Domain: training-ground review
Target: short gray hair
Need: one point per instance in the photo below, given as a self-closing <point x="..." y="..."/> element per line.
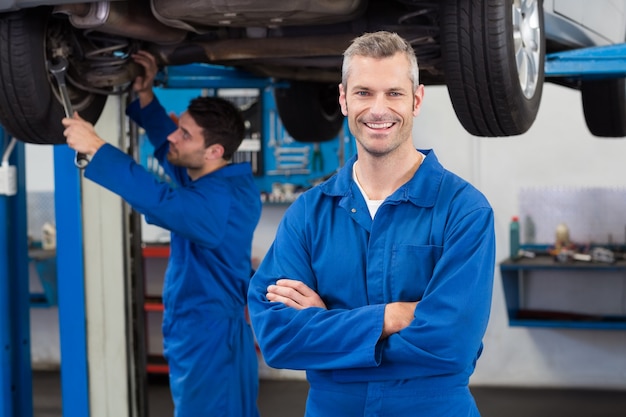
<point x="380" y="44"/>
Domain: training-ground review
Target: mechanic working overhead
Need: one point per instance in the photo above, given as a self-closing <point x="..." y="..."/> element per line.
<point x="211" y="210"/>
<point x="379" y="280"/>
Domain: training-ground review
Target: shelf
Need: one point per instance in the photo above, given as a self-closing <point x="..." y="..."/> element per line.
<point x="549" y="318"/>
<point x="156" y="364"/>
<point x="155" y="258"/>
<point x="516" y="272"/>
<point x="153" y="304"/>
<point x="547" y="263"/>
<point x="156" y="251"/>
<point x="569" y="324"/>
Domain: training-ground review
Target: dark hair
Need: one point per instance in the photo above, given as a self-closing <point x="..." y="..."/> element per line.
<point x="221" y="122"/>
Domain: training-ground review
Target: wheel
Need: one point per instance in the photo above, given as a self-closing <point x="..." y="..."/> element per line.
<point x="309" y="111"/>
<point x="29" y="108"/>
<point x="494" y="53"/>
<point x="604" y="105"/>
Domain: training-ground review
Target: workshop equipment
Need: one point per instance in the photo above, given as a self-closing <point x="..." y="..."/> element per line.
<point x="291" y="160"/>
<point x="317" y="164"/>
<point x="58" y="69"/>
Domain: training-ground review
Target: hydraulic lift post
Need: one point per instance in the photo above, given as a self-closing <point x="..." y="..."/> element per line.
<point x="70" y="284"/>
<point x="15" y="360"/>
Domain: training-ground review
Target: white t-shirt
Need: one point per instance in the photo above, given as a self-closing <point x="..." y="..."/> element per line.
<point x="372" y="205"/>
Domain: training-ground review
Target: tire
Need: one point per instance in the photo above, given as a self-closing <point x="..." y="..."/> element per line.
<point x="310" y="111"/>
<point x="29" y="109"/>
<point x="604" y="106"/>
<point x="494" y="72"/>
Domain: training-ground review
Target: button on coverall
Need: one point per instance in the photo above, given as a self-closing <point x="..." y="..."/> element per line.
<point x="431" y="241"/>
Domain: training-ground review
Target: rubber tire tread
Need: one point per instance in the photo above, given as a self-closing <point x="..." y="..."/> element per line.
<point x="29" y="111"/>
<point x="304" y="111"/>
<point x="481" y="71"/>
<point x="604" y="106"/>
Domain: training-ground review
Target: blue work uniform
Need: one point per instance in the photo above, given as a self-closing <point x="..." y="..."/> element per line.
<point x="207" y="341"/>
<point x="431" y="241"/>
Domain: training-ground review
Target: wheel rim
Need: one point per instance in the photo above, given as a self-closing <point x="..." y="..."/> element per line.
<point x="527" y="42"/>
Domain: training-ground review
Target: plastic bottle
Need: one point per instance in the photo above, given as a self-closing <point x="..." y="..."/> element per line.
<point x="514" y="237"/>
<point x="562" y="236"/>
<point x="48" y="236"/>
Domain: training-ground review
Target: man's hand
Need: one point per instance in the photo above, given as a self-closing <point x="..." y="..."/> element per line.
<point x="143" y="83"/>
<point x="81" y="135"/>
<point x="293" y="293"/>
<point x="398" y="316"/>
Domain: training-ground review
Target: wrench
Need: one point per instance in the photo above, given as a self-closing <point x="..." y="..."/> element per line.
<point x="58" y="69"/>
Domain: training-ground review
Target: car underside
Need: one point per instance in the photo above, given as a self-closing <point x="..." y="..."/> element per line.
<point x="280" y="39"/>
<point x="489" y="54"/>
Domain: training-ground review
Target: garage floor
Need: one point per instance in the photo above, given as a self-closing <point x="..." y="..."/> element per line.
<point x="285" y="398"/>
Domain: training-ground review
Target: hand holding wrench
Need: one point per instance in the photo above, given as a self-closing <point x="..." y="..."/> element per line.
<point x="58" y="69"/>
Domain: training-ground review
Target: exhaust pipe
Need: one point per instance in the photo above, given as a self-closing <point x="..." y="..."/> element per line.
<point x="130" y="19"/>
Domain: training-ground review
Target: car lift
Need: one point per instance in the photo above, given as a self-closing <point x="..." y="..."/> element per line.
<point x="595" y="62"/>
<point x="15" y="360"/>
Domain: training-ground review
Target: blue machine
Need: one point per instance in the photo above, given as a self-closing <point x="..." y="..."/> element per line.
<point x="281" y="165"/>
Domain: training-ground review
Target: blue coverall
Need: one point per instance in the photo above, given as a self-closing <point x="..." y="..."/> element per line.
<point x="208" y="344"/>
<point x="432" y="240"/>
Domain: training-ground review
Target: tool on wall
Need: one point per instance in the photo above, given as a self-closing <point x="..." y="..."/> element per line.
<point x="291" y="160"/>
<point x="317" y="164"/>
<point x="58" y="69"/>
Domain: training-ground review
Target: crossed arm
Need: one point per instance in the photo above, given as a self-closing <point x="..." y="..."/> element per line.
<point x="296" y="294"/>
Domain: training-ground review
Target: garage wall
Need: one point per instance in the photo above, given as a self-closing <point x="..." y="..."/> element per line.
<point x="558" y="151"/>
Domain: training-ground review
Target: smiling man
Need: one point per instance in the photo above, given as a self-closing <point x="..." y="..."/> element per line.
<point x="379" y="280"/>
